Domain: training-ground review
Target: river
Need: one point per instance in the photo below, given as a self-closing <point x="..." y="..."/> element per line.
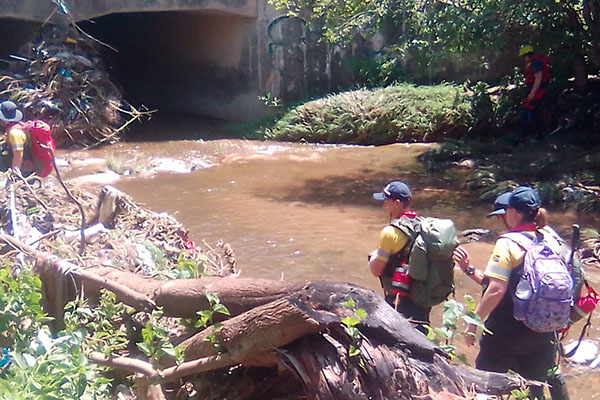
<point x="300" y="211"/>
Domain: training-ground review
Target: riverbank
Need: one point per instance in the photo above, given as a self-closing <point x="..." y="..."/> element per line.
<point x="398" y="113"/>
<point x="479" y="130"/>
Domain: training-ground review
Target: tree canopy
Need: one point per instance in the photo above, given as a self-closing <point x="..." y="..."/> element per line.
<point x="480" y="33"/>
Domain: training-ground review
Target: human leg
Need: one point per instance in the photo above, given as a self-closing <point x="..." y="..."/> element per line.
<point x="542" y="365"/>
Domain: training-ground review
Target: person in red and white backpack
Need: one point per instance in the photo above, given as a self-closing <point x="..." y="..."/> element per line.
<point x="16" y="139"/>
<point x="28" y="146"/>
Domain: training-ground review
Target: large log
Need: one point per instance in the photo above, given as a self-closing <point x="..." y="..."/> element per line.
<point x="295" y="325"/>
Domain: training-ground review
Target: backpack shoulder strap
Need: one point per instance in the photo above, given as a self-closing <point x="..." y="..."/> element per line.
<point x="520" y="238"/>
<point x="408" y="226"/>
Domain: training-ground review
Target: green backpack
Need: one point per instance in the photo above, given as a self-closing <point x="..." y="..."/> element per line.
<point x="430" y="262"/>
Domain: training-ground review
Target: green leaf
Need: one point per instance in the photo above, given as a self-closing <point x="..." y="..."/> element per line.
<point x="452" y="311"/>
<point x="349" y="303"/>
<point x="221" y="309"/>
<point x="361" y="313"/>
<point x="470" y="302"/>
<point x="145" y="348"/>
<point x="353" y="351"/>
<point x="350" y="321"/>
<point x="212" y="298"/>
<point x="168" y="349"/>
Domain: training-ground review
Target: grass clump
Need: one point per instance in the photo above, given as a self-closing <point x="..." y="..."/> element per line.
<point x="399" y="113"/>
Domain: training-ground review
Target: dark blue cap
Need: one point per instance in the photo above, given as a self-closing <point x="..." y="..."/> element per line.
<point x="396" y="190"/>
<point x="500" y="204"/>
<point x="525" y="200"/>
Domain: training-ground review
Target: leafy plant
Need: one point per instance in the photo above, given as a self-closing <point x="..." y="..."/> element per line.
<point x="207" y="317"/>
<point x="520" y="394"/>
<point x="102" y="325"/>
<point x="155" y="337"/>
<point x="350" y="325"/>
<point x="269" y="100"/>
<point x="53" y="368"/>
<point x="453" y="312"/>
<point x="21" y="313"/>
<point x="188" y="268"/>
<point x="43" y="367"/>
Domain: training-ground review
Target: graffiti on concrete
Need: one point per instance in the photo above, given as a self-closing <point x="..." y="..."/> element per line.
<point x="287" y="52"/>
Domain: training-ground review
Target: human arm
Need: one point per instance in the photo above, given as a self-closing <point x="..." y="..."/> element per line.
<point x="17" y="138"/>
<point x="17" y="159"/>
<point x="490" y="300"/>
<point x="461" y="258"/>
<point x="376" y="265"/>
<point x="391" y="240"/>
<point x="536" y="85"/>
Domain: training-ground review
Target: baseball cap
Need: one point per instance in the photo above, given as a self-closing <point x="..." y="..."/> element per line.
<point x="525" y="199"/>
<point x="396" y="190"/>
<point x="500" y="204"/>
<point x="9" y="112"/>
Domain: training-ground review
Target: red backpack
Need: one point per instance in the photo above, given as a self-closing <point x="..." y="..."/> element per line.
<point x="42" y="146"/>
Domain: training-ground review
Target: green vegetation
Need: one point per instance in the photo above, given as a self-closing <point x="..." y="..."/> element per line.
<point x="453" y="312"/>
<point x="425" y="41"/>
<point x="39" y="361"/>
<point x="399" y="113"/>
<point x="350" y="322"/>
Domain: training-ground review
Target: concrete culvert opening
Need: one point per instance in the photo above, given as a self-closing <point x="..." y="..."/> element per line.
<point x="181" y="63"/>
<point x="199" y="69"/>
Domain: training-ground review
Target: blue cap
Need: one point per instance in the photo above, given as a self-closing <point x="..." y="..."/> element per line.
<point x="525" y="200"/>
<point x="500" y="204"/>
<point x="396" y="190"/>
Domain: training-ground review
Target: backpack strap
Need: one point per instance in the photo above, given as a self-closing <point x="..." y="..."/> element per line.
<point x="520" y="238"/>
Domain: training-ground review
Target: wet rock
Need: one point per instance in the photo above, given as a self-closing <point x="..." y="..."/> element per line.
<point x="476" y="235"/>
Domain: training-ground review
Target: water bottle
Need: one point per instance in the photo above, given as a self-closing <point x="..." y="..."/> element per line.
<point x="524" y="290"/>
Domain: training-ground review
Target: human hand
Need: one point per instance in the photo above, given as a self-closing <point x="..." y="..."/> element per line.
<point x="461" y="258"/>
<point x="470" y="335"/>
<point x="530" y="97"/>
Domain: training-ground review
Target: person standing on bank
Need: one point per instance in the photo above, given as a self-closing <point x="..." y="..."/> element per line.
<point x="15" y="137"/>
<point x="512" y="345"/>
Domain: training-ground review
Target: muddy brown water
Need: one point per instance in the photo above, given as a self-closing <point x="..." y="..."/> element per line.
<point x="297" y="211"/>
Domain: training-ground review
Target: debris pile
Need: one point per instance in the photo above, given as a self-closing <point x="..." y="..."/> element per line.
<point x="60" y="77"/>
<point x="118" y="232"/>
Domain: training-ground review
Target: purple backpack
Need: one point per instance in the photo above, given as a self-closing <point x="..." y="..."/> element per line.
<point x="544" y="294"/>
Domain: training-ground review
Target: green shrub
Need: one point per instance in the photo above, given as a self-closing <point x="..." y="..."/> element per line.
<point x="399" y="113"/>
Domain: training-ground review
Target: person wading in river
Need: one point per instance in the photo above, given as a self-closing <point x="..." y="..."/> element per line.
<point x="414" y="257"/>
<point x="513" y="346"/>
<point x="393" y="248"/>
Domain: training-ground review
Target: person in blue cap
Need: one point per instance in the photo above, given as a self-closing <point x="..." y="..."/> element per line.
<point x="393" y="250"/>
<point x="13" y="154"/>
<point x="512" y="345"/>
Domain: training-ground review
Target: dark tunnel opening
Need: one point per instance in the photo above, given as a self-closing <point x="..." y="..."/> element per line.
<point x="189" y="66"/>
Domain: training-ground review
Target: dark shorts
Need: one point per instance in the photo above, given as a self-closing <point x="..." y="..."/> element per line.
<point x="532" y="356"/>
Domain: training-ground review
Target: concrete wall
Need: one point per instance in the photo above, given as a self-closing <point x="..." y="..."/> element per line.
<point x="39" y="10"/>
<point x="206" y="57"/>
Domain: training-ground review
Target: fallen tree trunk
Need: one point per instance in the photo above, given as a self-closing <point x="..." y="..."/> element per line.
<point x="299" y="326"/>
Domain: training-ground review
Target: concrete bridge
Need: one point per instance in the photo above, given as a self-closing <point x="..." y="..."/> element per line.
<point x="204" y="57"/>
<point x="39" y="10"/>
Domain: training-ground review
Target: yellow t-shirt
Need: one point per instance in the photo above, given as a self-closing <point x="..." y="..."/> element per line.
<point x="17" y="138"/>
<point x="508" y="255"/>
<point x="391" y="240"/>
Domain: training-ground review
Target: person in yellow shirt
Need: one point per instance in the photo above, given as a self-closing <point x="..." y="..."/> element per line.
<point x="512" y="345"/>
<point x="15" y="137"/>
<point x="393" y="251"/>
